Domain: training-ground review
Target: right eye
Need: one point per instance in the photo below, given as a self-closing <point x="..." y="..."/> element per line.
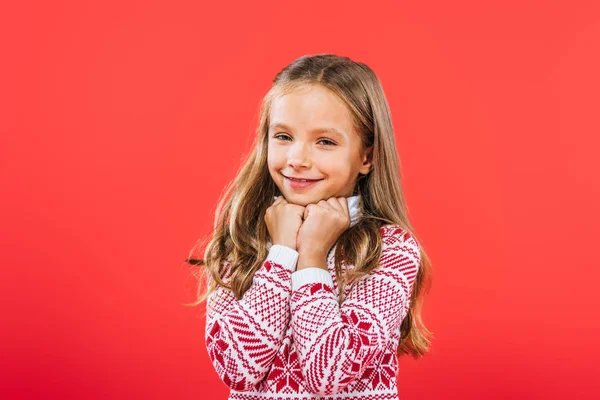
<point x="280" y="135"/>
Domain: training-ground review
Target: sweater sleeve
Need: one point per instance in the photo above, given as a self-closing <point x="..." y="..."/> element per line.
<point x="243" y="336"/>
<point x="337" y="343"/>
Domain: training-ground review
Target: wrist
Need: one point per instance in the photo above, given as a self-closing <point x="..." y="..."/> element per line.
<point x="312" y="259"/>
<point x="291" y="246"/>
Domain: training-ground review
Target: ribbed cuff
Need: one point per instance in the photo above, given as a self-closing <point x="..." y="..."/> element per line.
<point x="283" y="255"/>
<point x="310" y="275"/>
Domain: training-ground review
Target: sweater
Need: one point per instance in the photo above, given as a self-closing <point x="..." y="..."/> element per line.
<point x="289" y="338"/>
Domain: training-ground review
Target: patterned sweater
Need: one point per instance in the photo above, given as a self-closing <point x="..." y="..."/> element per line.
<point x="288" y="337"/>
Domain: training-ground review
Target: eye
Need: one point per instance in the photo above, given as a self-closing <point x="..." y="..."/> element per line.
<point x="283" y="136"/>
<point x="277" y="136"/>
<point x="330" y="142"/>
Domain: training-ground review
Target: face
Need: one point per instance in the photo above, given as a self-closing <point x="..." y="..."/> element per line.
<point x="311" y="136"/>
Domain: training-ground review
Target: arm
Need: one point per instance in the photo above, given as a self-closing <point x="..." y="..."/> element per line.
<point x="243" y="336"/>
<point x="337" y="343"/>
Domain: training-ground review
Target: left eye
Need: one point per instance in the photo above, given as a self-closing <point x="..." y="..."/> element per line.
<point x="329" y="142"/>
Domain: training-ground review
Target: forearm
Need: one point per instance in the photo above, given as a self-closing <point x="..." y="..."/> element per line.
<point x="243" y="336"/>
<point x="342" y="343"/>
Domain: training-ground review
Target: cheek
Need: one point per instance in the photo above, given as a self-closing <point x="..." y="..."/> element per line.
<point x="335" y="165"/>
<point x="275" y="162"/>
<point x="273" y="159"/>
<point x="270" y="154"/>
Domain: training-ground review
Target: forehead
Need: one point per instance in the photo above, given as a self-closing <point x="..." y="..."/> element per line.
<point x="311" y="107"/>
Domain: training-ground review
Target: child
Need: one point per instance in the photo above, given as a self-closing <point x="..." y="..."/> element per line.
<point x="315" y="278"/>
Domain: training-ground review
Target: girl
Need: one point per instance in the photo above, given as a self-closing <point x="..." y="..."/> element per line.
<point x="315" y="277"/>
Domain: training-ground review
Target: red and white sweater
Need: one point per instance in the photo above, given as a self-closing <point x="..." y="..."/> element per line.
<point x="288" y="338"/>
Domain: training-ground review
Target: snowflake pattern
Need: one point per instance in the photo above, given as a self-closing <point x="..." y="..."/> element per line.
<point x="285" y="375"/>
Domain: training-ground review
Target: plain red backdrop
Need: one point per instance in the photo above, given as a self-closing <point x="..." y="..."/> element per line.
<point x="122" y="121"/>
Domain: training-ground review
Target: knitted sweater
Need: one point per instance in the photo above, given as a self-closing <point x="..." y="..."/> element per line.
<point x="288" y="337"/>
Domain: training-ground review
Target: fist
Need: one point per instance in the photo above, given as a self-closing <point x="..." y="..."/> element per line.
<point x="283" y="221"/>
<point x="323" y="224"/>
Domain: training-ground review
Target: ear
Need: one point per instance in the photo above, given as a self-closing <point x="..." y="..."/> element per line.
<point x="366" y="161"/>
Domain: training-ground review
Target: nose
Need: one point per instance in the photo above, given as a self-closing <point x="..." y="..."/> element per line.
<point x="299" y="156"/>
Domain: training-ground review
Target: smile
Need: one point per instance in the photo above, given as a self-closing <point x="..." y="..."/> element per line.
<point x="300" y="183"/>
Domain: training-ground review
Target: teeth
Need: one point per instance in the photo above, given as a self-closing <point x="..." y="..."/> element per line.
<point x="302" y="180"/>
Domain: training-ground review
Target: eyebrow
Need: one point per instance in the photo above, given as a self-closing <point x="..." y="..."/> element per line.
<point x="316" y="130"/>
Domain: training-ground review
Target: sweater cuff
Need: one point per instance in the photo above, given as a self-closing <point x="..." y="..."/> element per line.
<point x="310" y="275"/>
<point x="284" y="256"/>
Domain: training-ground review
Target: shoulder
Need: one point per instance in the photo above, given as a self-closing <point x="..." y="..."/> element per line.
<point x="397" y="239"/>
<point x="395" y="233"/>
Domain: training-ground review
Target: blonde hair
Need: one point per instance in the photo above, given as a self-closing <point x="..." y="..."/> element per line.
<point x="239" y="238"/>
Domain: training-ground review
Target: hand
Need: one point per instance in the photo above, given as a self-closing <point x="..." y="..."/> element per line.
<point x="283" y="221"/>
<point x="323" y="224"/>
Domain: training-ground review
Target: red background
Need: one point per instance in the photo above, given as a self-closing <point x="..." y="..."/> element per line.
<point x="122" y="121"/>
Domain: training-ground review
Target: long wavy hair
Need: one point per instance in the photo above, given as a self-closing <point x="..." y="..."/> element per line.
<point x="240" y="235"/>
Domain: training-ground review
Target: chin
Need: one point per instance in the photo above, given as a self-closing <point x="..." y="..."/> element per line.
<point x="303" y="199"/>
<point x="296" y="199"/>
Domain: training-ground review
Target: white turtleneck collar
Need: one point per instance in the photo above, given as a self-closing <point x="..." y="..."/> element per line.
<point x="354" y="209"/>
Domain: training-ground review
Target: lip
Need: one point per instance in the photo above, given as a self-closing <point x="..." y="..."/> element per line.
<point x="296" y="177"/>
<point x="300" y="185"/>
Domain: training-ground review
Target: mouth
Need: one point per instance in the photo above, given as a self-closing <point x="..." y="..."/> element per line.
<point x="301" y="179"/>
<point x="295" y="183"/>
